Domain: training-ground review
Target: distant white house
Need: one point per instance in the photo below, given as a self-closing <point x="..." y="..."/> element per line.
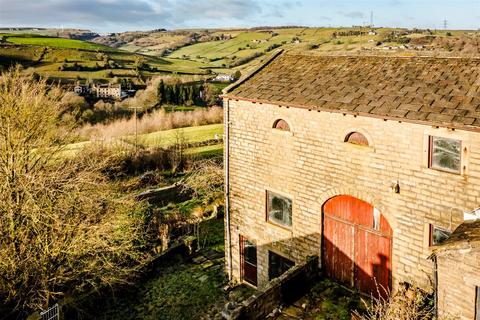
<point x="112" y="91"/>
<point x="223" y="78"/>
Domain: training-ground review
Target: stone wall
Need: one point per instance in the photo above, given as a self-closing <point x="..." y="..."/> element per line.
<point x="312" y="163"/>
<point x="458" y="277"/>
<point x="285" y="289"/>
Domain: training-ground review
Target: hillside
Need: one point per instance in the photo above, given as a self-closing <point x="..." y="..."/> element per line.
<point x="139" y="55"/>
<point x="69" y="59"/>
<point x="224" y="51"/>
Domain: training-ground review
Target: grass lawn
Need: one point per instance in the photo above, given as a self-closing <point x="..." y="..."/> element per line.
<point x="215" y="150"/>
<point x="190" y="134"/>
<point x="179" y="289"/>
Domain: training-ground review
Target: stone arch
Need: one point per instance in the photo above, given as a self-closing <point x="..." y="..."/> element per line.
<point x="366" y="196"/>
<point x="364" y="132"/>
<point x="281" y="124"/>
<point x="281" y="116"/>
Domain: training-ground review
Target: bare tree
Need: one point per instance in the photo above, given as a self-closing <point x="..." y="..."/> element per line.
<point x="62" y="229"/>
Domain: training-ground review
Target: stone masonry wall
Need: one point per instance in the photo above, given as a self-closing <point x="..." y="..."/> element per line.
<point x="458" y="277"/>
<point x="312" y="163"/>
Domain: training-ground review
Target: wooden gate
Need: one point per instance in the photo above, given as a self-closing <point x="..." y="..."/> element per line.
<point x="357" y="242"/>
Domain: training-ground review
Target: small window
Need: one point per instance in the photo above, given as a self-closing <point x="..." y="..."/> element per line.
<point x="356" y="138"/>
<point x="445" y="154"/>
<point x="281" y="124"/>
<point x="438" y="235"/>
<point x="279" y="209"/>
<point x="376" y="219"/>
<point x="477" y="303"/>
<point x="277" y="265"/>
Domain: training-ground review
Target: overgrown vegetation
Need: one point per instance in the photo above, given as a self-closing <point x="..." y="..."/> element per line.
<point x="63" y="229"/>
<point x="408" y="303"/>
<point x="155" y="121"/>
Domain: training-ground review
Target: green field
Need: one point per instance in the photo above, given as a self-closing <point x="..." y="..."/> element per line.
<point x="169" y="137"/>
<point x="241" y="50"/>
<point x="53" y="42"/>
<point x="47" y="55"/>
<point x="164" y="139"/>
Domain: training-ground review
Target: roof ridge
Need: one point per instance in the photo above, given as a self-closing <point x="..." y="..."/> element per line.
<point x="234" y="85"/>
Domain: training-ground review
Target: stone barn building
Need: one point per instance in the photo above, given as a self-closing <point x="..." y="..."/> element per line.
<point x="367" y="162"/>
<point x="458" y="261"/>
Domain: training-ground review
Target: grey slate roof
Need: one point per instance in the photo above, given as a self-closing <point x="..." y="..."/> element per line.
<point x="441" y="91"/>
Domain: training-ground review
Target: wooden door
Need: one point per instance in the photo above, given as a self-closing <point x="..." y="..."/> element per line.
<point x="248" y="261"/>
<point x="357" y="245"/>
<point x="337" y="251"/>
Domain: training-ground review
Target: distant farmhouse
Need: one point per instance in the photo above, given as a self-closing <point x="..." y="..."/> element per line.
<point x="368" y="162"/>
<point x="109" y="91"/>
<point x="112" y="91"/>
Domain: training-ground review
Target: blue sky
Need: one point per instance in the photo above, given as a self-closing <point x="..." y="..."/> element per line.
<point x="122" y="15"/>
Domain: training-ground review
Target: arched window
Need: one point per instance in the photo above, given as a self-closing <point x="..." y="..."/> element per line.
<point x="281" y="124"/>
<point x="356" y="138"/>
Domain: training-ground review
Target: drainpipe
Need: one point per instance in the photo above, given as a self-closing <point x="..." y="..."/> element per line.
<point x="227" y="189"/>
<point x="435" y="284"/>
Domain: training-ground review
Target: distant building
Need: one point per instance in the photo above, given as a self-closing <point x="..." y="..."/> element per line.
<point x="112" y="91"/>
<point x="224" y="78"/>
<point x="81" y="89"/>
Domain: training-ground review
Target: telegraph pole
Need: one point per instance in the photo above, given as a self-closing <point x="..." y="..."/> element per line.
<point x="136" y="127"/>
<point x="445" y="24"/>
<point x="371" y="19"/>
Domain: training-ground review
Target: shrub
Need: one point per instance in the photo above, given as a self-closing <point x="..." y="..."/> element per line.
<point x="409" y="303"/>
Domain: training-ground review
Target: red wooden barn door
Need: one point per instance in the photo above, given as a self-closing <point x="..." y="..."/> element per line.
<point x="356" y="244"/>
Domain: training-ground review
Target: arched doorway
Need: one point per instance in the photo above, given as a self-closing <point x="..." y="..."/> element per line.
<point x="357" y="243"/>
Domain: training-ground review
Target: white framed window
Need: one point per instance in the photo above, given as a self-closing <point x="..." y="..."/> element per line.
<point x="445" y="154"/>
<point x="279" y="209"/>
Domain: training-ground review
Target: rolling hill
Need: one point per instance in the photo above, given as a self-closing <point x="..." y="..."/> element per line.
<point x="203" y="52"/>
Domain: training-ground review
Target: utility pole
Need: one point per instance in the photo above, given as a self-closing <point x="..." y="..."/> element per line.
<point x="371" y="19"/>
<point x="136" y="127"/>
<point x="445" y="24"/>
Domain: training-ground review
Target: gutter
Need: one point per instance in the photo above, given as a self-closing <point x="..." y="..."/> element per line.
<point x="227" y="189"/>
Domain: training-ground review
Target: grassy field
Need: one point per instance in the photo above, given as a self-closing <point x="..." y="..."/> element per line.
<point x="154" y="43"/>
<point x="54" y="42"/>
<point x="189" y="134"/>
<point x="47" y="55"/>
<point x="163" y="139"/>
<point x="240" y="50"/>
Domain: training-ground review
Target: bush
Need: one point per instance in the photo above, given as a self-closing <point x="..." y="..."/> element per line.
<point x="409" y="303"/>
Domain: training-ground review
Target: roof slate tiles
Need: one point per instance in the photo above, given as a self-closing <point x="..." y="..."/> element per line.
<point x="442" y="91"/>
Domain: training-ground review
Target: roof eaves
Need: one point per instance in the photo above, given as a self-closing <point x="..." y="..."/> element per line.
<point x="356" y="113"/>
<point x="234" y="85"/>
